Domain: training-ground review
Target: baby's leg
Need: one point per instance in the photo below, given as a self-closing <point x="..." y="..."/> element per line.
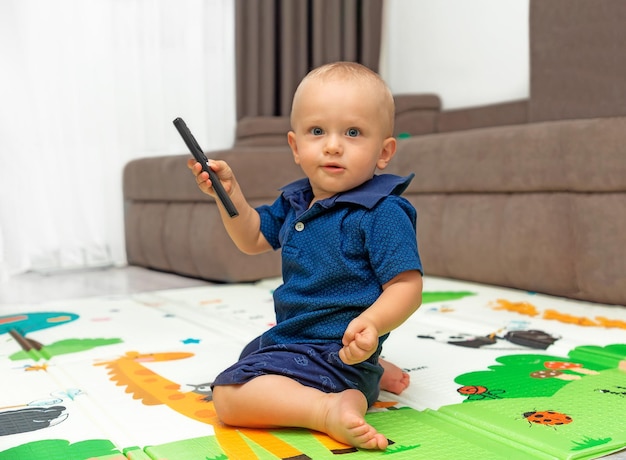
<point x="394" y="379"/>
<point x="271" y="401"/>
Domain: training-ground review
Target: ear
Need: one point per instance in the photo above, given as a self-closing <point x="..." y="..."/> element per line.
<point x="387" y="152"/>
<point x="291" y="139"/>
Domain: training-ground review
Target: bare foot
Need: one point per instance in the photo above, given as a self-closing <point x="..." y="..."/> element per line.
<point x="394" y="379"/>
<point x="345" y="421"/>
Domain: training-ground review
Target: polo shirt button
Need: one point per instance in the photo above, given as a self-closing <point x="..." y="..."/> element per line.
<point x="299" y="227"/>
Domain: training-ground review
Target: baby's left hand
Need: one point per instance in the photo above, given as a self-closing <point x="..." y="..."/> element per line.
<point x="360" y="341"/>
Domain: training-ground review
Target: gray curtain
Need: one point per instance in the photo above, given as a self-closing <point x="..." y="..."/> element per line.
<point x="279" y="41"/>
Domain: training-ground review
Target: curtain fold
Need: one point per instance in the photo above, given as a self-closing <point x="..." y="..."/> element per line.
<point x="279" y="41"/>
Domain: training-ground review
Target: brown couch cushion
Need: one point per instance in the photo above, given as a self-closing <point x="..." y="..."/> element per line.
<point x="537" y="207"/>
<point x="576" y="155"/>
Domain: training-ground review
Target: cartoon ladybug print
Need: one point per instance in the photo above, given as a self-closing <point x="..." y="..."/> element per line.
<point x="548" y="418"/>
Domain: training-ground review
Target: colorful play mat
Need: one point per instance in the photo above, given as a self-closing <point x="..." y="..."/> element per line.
<point x="496" y="374"/>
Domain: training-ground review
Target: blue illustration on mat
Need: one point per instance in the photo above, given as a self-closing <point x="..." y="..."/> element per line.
<point x="30" y="322"/>
<point x="17" y="326"/>
<point x="190" y="340"/>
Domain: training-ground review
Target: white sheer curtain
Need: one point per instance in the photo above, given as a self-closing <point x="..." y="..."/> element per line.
<point x="86" y="86"/>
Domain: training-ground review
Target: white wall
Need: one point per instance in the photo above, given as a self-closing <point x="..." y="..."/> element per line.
<point x="469" y="52"/>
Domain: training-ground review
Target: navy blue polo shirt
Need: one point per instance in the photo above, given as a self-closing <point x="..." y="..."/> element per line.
<point x="336" y="255"/>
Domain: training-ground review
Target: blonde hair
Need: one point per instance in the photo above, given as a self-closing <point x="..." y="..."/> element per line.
<point x="357" y="72"/>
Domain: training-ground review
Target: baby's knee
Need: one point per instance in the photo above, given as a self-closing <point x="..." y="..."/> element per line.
<point x="222" y="402"/>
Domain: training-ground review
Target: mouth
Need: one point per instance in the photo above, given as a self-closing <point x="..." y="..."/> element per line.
<point x="332" y="168"/>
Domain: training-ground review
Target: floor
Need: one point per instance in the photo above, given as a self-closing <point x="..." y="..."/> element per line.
<point x="34" y="287"/>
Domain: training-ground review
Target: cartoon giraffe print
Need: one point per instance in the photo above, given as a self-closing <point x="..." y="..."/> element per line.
<point x="153" y="389"/>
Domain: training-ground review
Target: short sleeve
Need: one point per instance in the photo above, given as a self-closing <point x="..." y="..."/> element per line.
<point x="390" y="238"/>
<point x="272" y="219"/>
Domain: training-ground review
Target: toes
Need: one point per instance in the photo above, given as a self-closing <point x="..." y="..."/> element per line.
<point x="378" y="441"/>
<point x="381" y="441"/>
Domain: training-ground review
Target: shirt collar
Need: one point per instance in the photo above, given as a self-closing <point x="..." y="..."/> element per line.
<point x="368" y="194"/>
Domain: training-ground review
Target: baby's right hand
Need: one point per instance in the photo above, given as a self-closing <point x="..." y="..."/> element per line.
<point x="222" y="170"/>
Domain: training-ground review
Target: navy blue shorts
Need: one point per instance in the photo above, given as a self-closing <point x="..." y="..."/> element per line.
<point x="317" y="366"/>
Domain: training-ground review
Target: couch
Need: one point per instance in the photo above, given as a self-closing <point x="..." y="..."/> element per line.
<point x="528" y="194"/>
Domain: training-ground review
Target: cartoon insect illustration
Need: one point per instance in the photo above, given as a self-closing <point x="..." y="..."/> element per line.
<point x="547" y="417"/>
<point x="479" y="392"/>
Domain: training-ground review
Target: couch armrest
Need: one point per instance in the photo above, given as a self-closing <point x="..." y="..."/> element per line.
<point x="170" y="225"/>
<point x="167" y="178"/>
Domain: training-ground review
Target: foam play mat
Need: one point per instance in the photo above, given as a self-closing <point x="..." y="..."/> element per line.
<point x="495" y="373"/>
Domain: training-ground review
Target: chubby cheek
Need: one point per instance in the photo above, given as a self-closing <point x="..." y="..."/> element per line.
<point x="306" y="164"/>
<point x="304" y="153"/>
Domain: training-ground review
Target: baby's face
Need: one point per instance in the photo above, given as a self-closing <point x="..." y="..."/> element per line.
<point x="340" y="135"/>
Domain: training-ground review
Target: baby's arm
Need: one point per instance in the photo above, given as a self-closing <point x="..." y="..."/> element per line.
<point x="244" y="229"/>
<point x="401" y="297"/>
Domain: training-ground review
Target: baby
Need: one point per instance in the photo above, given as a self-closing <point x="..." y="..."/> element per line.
<point x="351" y="267"/>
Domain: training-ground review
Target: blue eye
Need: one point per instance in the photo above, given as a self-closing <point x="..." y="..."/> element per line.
<point x="353" y="132"/>
<point x="317" y="131"/>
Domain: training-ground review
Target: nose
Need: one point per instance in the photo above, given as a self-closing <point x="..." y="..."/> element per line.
<point x="333" y="145"/>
